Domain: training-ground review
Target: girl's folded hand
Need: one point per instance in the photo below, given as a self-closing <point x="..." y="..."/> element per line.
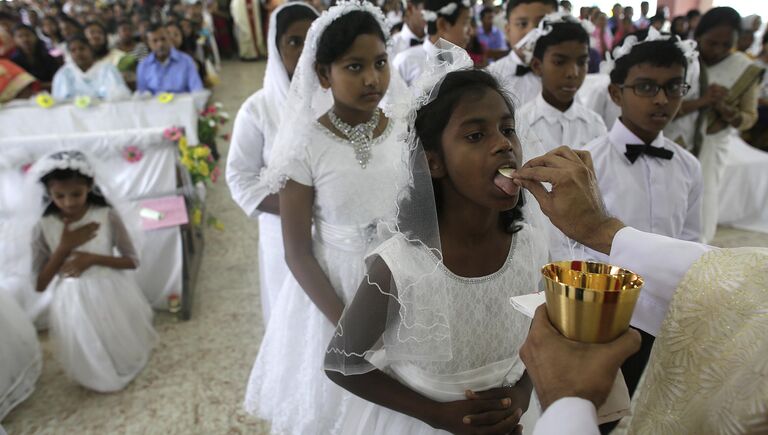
<point x="479" y="416"/>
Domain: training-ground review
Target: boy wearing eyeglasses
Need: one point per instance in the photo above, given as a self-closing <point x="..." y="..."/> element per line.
<point x="647" y="180"/>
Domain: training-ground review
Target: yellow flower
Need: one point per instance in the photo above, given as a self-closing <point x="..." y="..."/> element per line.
<point x="201" y="152"/>
<point x="82" y="101"/>
<point x="197" y="216"/>
<point x="202" y="168"/>
<point x="218" y="225"/>
<point x="165" y="97"/>
<point x="187" y="162"/>
<point x="44" y="100"/>
<point x="183" y="144"/>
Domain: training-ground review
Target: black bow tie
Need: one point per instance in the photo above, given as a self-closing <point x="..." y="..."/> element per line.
<point x="522" y="70"/>
<point x="634" y="151"/>
<point x="415" y="41"/>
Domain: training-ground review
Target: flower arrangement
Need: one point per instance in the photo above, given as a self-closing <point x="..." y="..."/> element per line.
<point x="82" y="101"/>
<point x="202" y="167"/>
<point x="211" y="118"/>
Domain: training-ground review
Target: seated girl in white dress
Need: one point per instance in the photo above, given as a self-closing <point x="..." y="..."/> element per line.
<point x="86" y="77"/>
<point x="101" y="324"/>
<point x="335" y="164"/>
<point x="431" y="335"/>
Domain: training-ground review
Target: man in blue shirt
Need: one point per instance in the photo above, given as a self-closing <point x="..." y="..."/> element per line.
<point x="490" y="36"/>
<point x="166" y="69"/>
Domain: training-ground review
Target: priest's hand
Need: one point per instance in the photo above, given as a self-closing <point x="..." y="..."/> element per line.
<point x="563" y="368"/>
<point x="574" y="205"/>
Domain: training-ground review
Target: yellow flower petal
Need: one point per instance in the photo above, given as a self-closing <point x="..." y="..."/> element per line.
<point x="165" y="97"/>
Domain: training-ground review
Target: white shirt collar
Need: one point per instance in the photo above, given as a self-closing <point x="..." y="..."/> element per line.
<point x="407" y="34"/>
<point x="620" y="136"/>
<point x="551" y="114"/>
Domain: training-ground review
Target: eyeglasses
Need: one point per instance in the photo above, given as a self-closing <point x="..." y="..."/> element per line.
<point x="650" y="89"/>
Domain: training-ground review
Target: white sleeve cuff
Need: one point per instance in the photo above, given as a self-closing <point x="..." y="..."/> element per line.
<point x="568" y="416"/>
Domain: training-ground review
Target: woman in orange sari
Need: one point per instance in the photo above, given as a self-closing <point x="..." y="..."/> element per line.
<point x="15" y="82"/>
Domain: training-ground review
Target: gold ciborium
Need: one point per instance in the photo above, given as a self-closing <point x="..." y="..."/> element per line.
<point x="590" y="302"/>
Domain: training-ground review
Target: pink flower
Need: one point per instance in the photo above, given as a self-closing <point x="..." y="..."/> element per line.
<point x="215" y="174"/>
<point x="225" y="136"/>
<point x="210" y="158"/>
<point x="173" y="133"/>
<point x="25" y="168"/>
<point x="132" y="154"/>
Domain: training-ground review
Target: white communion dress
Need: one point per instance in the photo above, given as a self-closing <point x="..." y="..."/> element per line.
<point x="20" y="358"/>
<point x="101" y="324"/>
<point x="486" y="332"/>
<point x="287" y="384"/>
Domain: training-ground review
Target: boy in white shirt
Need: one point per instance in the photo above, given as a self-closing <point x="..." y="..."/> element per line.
<point x="511" y="71"/>
<point x="560" y="60"/>
<point x="414" y="29"/>
<point x="647" y="181"/>
<point x="446" y="19"/>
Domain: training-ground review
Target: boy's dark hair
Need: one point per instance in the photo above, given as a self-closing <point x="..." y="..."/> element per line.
<point x="123" y="22"/>
<point x="436" y="5"/>
<point x="716" y="17"/>
<point x="289" y="15"/>
<point x="512" y="4"/>
<point x="154" y="28"/>
<point x="71" y="174"/>
<point x="656" y="19"/>
<point x="339" y="36"/>
<point x="693" y="13"/>
<point x="487" y="10"/>
<point x="657" y="53"/>
<point x="97" y="24"/>
<point x="432" y="118"/>
<point x="561" y="32"/>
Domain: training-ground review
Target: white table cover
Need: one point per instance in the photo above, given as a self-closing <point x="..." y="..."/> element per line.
<point x="25" y="118"/>
<point x="160" y="272"/>
<point x="744" y="188"/>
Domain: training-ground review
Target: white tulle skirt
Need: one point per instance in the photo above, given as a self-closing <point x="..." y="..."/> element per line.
<point x="288" y="385"/>
<point x="20" y="358"/>
<point x="101" y="328"/>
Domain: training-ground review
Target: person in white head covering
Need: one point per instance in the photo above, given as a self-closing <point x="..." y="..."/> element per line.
<point x="430" y="338"/>
<point x="253" y="136"/>
<point x="336" y="162"/>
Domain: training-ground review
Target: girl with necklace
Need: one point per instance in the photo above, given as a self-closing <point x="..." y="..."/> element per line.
<point x="337" y="165"/>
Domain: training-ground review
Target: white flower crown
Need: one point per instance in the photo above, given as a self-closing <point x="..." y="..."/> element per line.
<point x="688" y="47"/>
<point x="527" y="45"/>
<point x="71" y="159"/>
<point x="449" y="9"/>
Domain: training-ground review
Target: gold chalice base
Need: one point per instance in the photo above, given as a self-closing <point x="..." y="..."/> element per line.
<point x="588" y="301"/>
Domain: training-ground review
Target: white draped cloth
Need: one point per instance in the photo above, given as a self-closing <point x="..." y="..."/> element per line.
<point x="253" y="136"/>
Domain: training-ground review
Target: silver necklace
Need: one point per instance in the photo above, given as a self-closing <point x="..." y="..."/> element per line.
<point x="360" y="136"/>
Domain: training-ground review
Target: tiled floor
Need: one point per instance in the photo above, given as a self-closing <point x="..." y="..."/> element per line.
<point x="195" y="381"/>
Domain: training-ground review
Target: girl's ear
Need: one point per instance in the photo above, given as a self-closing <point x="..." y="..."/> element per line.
<point x="536" y="66"/>
<point x="323" y="74"/>
<point x="615" y="92"/>
<point x="436" y="164"/>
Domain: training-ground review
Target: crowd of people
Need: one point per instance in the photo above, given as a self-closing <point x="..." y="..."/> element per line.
<point x="77" y="48"/>
<point x="411" y="167"/>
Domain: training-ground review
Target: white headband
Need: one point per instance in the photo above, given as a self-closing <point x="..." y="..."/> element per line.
<point x="449" y="9"/>
<point x="527" y="45"/>
<point x="74" y="160"/>
<point x="688" y="47"/>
